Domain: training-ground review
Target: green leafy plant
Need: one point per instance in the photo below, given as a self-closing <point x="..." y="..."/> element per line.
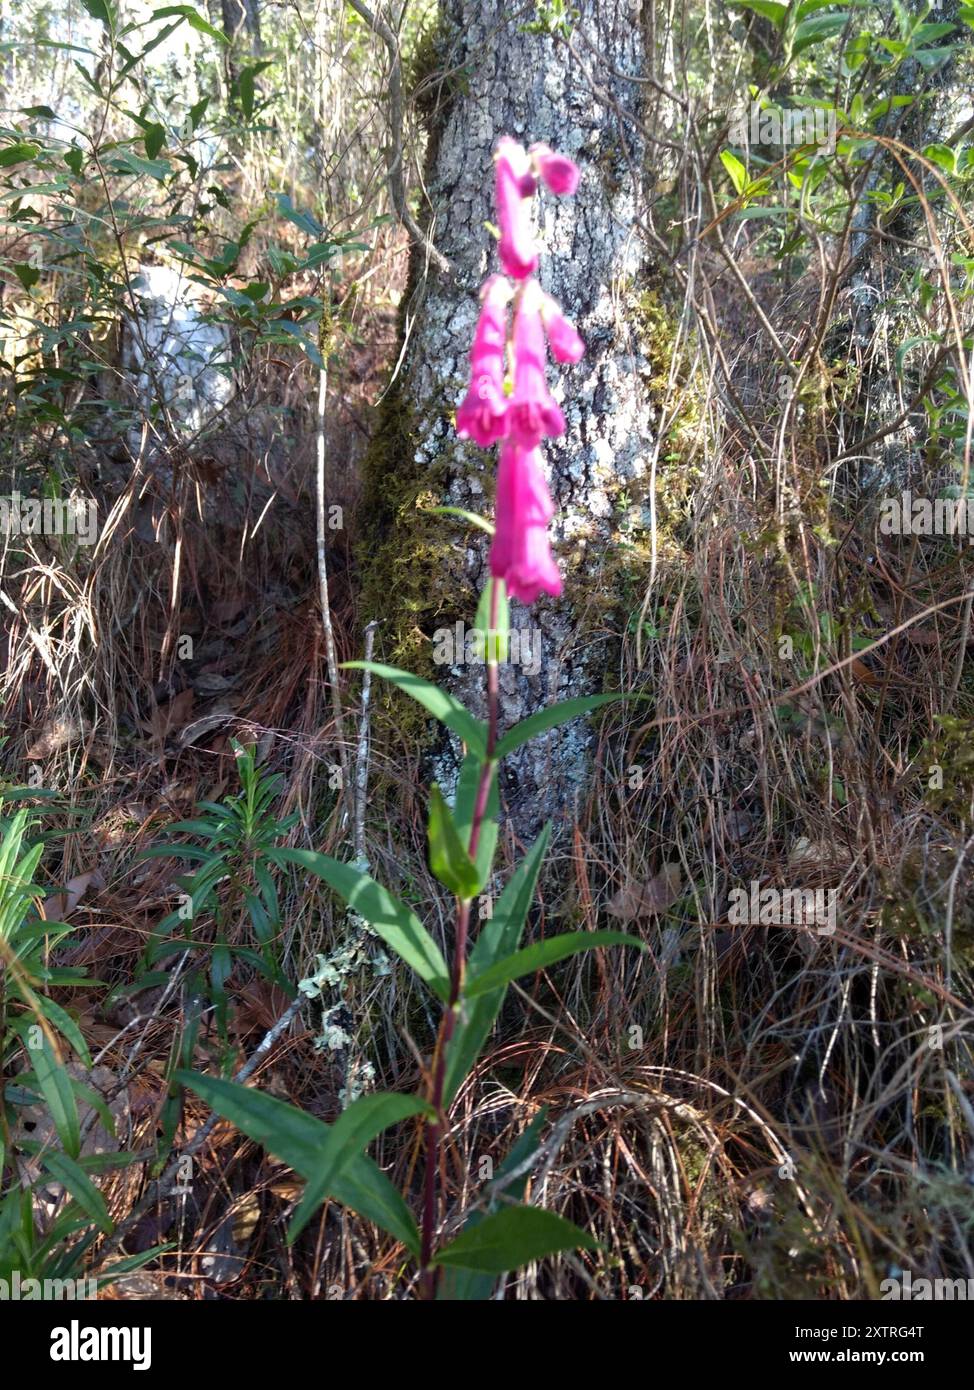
<point x="500" y="1234"/>
<point x="35" y="1029"/>
<point x="236" y="839"/>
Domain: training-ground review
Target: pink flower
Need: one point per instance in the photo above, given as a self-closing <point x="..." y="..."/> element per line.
<point x="483" y="414"/>
<point x="533" y="412"/>
<point x="515" y="186"/>
<point x="558" y="172"/>
<point x="520" y="553"/>
<point x="563" y="339"/>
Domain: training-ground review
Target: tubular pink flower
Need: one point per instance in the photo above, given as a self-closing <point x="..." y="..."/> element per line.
<point x="483" y="414"/>
<point x="556" y="171"/>
<point x="520" y="553"/>
<point x="533" y="412"/>
<point x="515" y="185"/>
<point x="563" y="339"/>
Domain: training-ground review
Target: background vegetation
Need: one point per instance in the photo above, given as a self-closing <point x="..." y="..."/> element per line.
<point x="734" y="1113"/>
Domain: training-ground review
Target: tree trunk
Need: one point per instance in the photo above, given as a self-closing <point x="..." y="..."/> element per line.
<point x="242" y="16"/>
<point x="533" y="87"/>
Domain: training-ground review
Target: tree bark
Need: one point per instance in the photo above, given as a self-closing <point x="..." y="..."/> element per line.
<point x="536" y="87"/>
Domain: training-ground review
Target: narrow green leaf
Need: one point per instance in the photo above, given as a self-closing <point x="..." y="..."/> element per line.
<point x="512" y="1237"/>
<point x="100" y="9"/>
<point x="768" y="9"/>
<point x="154" y="139"/>
<point x="55" y="1086"/>
<point x="87" y="1095"/>
<point x="354" y="1129"/>
<point x="449" y="859"/>
<point x="193" y="18"/>
<point x="107" y="1277"/>
<point x="498" y="938"/>
<point x="157" y="169"/>
<point x="299" y="1140"/>
<point x="300" y="217"/>
<point x="736" y="169"/>
<point x="443" y="706"/>
<point x="808" y="7"/>
<point x="554" y="715"/>
<point x="942" y="155"/>
<point x="817" y="30"/>
<point x="67" y="1172"/>
<point x="65" y="1024"/>
<point x="465" y="1285"/>
<point x="542" y="954"/>
<point x="17" y="153"/>
<point x="464" y="515"/>
<point x="399" y="928"/>
<point x="907" y="346"/>
<point x="28" y="275"/>
<point x="247" y="90"/>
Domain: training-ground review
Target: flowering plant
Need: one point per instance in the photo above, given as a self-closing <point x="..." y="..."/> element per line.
<point x="509" y="403"/>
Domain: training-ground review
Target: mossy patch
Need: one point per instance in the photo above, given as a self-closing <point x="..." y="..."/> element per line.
<point x="412" y="565"/>
<point x="622" y="574"/>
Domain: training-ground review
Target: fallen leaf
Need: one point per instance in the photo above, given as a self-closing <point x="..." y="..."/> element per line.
<point x="59" y="906"/>
<point x="53" y="736"/>
<point x="174" y="714"/>
<point x="862" y="673"/>
<point x="647" y="899"/>
<point x="199" y="728"/>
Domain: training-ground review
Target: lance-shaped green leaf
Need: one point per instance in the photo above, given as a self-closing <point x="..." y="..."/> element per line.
<point x="354" y="1129"/>
<point x="736" y="170"/>
<point x="468" y="786"/>
<point x="465" y="1285"/>
<point x="399" y="928"/>
<point x="498" y="939"/>
<point x="770" y="9"/>
<point x="512" y="1237"/>
<point x="817" y="29"/>
<point x="101" y="9"/>
<point x="449" y="859"/>
<point x="472" y="517"/>
<point x="441" y="705"/>
<point x="55" y="1086"/>
<point x="554" y="715"/>
<point x="64" y="1023"/>
<point x="194" y="19"/>
<point x="73" y="1177"/>
<point x="299" y="1139"/>
<point x="540" y="955"/>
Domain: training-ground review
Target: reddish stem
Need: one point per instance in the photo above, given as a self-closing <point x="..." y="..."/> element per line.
<point x="435" y="1128"/>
